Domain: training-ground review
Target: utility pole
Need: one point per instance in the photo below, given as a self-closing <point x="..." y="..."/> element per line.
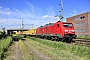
<point x="61" y="17"/>
<point x="62" y="10"/>
<point x="32" y="26"/>
<point x="22" y="26"/>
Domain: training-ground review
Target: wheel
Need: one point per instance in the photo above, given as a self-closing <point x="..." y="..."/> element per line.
<point x="52" y="38"/>
<point x="63" y="40"/>
<point x="69" y="40"/>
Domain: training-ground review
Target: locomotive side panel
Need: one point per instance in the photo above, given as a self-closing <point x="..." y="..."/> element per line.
<point x="50" y="29"/>
<point x="58" y="30"/>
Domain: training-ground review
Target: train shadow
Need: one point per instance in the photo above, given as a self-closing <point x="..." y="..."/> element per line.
<point x="23" y="39"/>
<point x="15" y="38"/>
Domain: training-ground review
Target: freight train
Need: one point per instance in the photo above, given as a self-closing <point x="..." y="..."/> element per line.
<point x="31" y="32"/>
<point x="63" y="31"/>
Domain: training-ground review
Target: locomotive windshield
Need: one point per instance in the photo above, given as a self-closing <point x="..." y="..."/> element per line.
<point x="67" y="25"/>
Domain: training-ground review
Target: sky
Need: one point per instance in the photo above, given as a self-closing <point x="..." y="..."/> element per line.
<point x="35" y="13"/>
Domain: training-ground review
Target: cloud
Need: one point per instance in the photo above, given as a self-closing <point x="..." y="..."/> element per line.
<point x="29" y="4"/>
<point x="5" y="11"/>
<point x="73" y="13"/>
<point x="49" y="17"/>
<point x="32" y="7"/>
<point x="13" y="18"/>
<point x="50" y="11"/>
<point x="45" y="16"/>
<point x="0" y="7"/>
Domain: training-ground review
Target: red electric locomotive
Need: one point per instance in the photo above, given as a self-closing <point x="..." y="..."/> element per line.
<point x="57" y="31"/>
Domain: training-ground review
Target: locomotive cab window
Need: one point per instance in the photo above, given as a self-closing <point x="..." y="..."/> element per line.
<point x="67" y="25"/>
<point x="58" y="25"/>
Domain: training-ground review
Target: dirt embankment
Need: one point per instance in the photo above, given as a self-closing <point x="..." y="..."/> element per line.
<point x="14" y="52"/>
<point x="17" y="52"/>
<point x="39" y="54"/>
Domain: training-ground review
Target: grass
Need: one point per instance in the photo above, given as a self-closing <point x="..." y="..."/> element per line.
<point x="18" y="35"/>
<point x="9" y="53"/>
<point x="4" y="44"/>
<point x="81" y="51"/>
<point x="53" y="44"/>
<point x="28" y="54"/>
<point x="55" y="54"/>
<point x="84" y="37"/>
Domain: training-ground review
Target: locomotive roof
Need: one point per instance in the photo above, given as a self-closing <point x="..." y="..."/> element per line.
<point x="46" y="25"/>
<point x="63" y="22"/>
<point x="52" y="24"/>
<point x="49" y="24"/>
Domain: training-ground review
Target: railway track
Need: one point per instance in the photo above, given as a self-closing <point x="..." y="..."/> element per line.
<point x="82" y="42"/>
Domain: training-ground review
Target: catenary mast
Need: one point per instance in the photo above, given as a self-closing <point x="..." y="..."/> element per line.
<point x="61" y="17"/>
<point x="62" y="10"/>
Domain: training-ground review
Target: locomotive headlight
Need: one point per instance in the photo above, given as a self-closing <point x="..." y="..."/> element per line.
<point x="73" y="30"/>
<point x="66" y="30"/>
